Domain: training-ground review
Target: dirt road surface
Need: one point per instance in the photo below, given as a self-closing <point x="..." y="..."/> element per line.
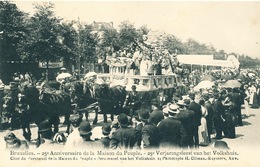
<point x="246" y="145"/>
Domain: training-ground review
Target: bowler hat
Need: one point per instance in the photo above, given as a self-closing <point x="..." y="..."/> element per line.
<point x="187" y="101"/>
<point x="205" y="97"/>
<point x="154" y="102"/>
<point x="144" y="115"/>
<point x="122" y="119"/>
<point x="192" y="95"/>
<point x="106" y="128"/>
<point x="133" y="87"/>
<point x="221" y="145"/>
<point x="85" y="128"/>
<point x="12" y="141"/>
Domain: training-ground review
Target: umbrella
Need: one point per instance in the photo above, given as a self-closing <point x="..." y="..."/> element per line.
<point x="62" y="76"/>
<point x="204" y="85"/>
<point x="232" y="84"/>
<point x="90" y="74"/>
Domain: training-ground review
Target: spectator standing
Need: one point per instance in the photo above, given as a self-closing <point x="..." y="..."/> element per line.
<point x="124" y="137"/>
<point x="156" y="115"/>
<point x="150" y="132"/>
<point x="171" y="130"/>
<point x="186" y="117"/>
<point x="197" y="118"/>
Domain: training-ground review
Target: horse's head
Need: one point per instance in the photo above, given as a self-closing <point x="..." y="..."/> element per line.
<point x="101" y="90"/>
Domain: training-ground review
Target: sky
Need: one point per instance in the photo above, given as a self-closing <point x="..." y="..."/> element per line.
<point x="233" y="26"/>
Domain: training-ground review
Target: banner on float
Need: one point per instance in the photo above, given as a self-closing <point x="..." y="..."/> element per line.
<point x="43" y="64"/>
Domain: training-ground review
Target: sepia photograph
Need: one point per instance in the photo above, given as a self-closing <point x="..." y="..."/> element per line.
<point x="129" y="83"/>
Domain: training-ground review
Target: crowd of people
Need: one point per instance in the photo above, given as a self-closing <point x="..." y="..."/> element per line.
<point x="187" y="120"/>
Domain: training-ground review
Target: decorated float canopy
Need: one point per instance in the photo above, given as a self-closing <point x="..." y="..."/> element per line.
<point x="208" y="60"/>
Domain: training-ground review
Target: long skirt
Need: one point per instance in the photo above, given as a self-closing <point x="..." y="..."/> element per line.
<point x="253" y="100"/>
<point x="229" y="125"/>
<point x="203" y="133"/>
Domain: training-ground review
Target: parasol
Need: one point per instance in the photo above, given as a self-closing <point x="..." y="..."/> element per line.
<point x="62" y="76"/>
<point x="90" y="74"/>
<point x="232" y="84"/>
<point x="204" y="85"/>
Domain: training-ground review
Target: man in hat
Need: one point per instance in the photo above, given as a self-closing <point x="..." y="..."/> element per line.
<point x="186" y="116"/>
<point x="150" y="133"/>
<point x="171" y="130"/>
<point x="83" y="140"/>
<point x="133" y="100"/>
<point x="105" y="140"/>
<point x="196" y="119"/>
<point x="162" y="98"/>
<point x="220" y="145"/>
<point x="124" y="137"/>
<point x="156" y="115"/>
<point x="46" y="137"/>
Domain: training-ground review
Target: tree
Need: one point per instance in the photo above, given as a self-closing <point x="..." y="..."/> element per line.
<point x="68" y="37"/>
<point x="42" y="42"/>
<point x="173" y="44"/>
<point x="128" y="34"/>
<point x="12" y="26"/>
<point x="87" y="41"/>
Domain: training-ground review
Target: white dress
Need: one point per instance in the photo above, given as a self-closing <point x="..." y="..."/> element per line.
<point x="203" y="130"/>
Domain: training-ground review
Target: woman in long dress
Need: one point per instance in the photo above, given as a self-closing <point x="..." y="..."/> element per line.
<point x="203" y="131"/>
<point x="253" y="99"/>
<point x="229" y="116"/>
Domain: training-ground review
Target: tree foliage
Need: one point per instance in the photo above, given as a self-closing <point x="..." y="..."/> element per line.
<point x="44" y="36"/>
<point x="42" y="42"/>
<point x="13" y="29"/>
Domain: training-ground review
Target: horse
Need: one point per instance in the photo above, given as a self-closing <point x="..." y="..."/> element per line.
<point x="45" y="105"/>
<point x="110" y="99"/>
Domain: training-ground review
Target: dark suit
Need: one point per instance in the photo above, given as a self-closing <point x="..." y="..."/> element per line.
<point x="172" y="132"/>
<point x="133" y="101"/>
<point x="156" y="116"/>
<point x="124" y="138"/>
<point x="237" y="99"/>
<point x="218" y="109"/>
<point x="196" y="121"/>
<point x="186" y="117"/>
<point x="209" y="118"/>
<point x="150" y="136"/>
